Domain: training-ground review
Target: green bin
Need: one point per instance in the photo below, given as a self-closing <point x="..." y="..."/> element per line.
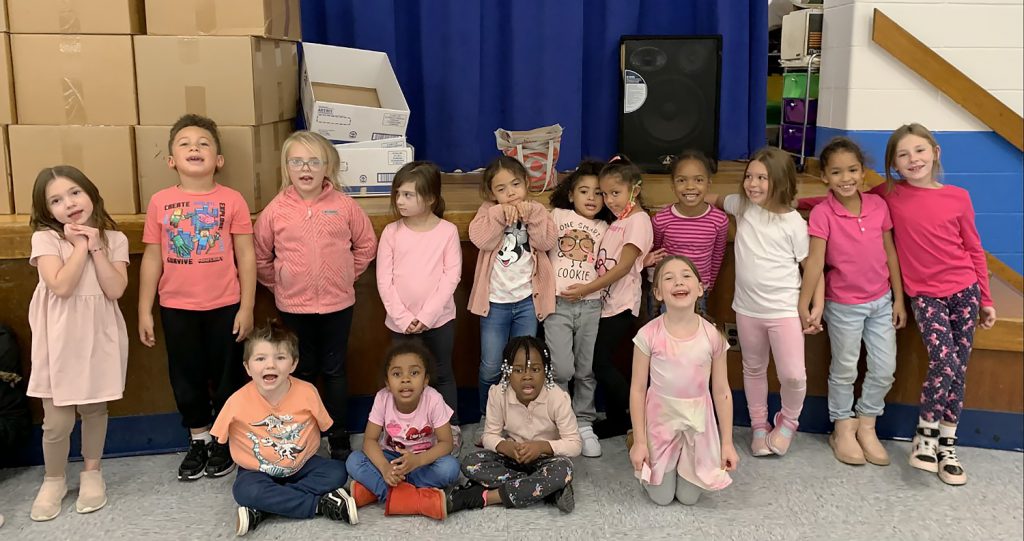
<point x="794" y="85"/>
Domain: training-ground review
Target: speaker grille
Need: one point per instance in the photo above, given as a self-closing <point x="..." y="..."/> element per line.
<point x="671" y="101"/>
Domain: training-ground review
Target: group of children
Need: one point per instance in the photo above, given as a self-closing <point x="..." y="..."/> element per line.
<point x="576" y="269"/>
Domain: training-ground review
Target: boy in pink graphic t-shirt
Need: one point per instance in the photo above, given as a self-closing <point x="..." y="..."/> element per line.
<point x="200" y="258"/>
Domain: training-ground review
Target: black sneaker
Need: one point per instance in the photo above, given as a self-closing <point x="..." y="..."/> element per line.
<point x="467" y="496"/>
<point x="564" y="499"/>
<point x="220" y="462"/>
<point x="193" y="466"/>
<point x="338" y="505"/>
<point x="248" y="520"/>
<point x="340" y="447"/>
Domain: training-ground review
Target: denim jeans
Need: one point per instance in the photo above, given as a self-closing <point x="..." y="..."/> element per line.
<point x="294" y="496"/>
<point x="442" y="473"/>
<point x="503" y="321"/>
<point x="848" y="324"/>
<point x="570" y="333"/>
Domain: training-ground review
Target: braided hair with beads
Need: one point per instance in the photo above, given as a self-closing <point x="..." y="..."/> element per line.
<point x="525" y="343"/>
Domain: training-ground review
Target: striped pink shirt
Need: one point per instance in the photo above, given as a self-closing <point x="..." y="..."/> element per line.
<point x="700" y="238"/>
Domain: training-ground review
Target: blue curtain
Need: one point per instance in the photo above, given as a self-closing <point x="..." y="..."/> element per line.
<point x="468" y="67"/>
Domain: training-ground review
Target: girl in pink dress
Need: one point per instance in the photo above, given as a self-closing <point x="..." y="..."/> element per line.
<point x="677" y="450"/>
<point x="79" y="338"/>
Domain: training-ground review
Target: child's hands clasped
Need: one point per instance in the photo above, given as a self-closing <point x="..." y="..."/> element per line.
<point x="83" y="235"/>
<point x="511" y="213"/>
<point x="523" y="453"/>
<point x="415" y="327"/>
<point x="404" y="464"/>
<point x="810" y="319"/>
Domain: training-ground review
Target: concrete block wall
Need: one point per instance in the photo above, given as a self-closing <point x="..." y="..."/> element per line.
<point x="865" y="93"/>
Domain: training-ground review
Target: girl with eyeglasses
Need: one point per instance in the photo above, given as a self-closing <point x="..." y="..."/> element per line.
<point x="312" y="243"/>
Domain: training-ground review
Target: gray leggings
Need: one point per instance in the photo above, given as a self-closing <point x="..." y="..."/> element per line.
<point x="674" y="486"/>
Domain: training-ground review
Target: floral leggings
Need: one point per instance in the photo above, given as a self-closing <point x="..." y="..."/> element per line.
<point x="947" y="326"/>
<point x="519" y="485"/>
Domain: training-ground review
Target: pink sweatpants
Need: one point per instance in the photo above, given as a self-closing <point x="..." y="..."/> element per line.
<point x="785" y="339"/>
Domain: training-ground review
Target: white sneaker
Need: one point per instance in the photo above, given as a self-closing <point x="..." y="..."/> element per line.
<point x="591" y="445"/>
<point x="456" y="441"/>
<point x="478" y="439"/>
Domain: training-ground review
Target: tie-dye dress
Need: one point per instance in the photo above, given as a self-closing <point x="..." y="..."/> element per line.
<point x="680" y="414"/>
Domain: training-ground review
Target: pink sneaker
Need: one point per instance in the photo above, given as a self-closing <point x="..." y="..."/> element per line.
<point x="781" y="436"/>
<point x="759" y="443"/>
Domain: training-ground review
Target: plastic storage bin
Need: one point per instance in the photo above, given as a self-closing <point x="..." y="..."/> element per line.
<point x="794" y="111"/>
<point x="792" y="135"/>
<point x="794" y="85"/>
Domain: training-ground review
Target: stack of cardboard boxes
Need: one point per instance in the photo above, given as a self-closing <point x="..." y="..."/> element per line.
<point x="236" y="62"/>
<point x="7" y="113"/>
<point x="74" y="85"/>
<point x="93" y="91"/>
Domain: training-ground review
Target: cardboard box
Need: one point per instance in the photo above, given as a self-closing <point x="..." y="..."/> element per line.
<point x="6" y="193"/>
<point x="280" y="19"/>
<point x="351" y="94"/>
<point x="252" y="161"/>
<point x="237" y="81"/>
<point x="74" y="79"/>
<point x="76" y="16"/>
<point x="106" y="154"/>
<point x="8" y="114"/>
<point x="368" y="171"/>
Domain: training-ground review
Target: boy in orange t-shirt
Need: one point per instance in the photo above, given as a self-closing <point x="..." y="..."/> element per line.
<point x="272" y="426"/>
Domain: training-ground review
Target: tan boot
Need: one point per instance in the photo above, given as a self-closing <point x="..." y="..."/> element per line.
<point x="48" y="501"/>
<point x="92" y="492"/>
<point x="874" y="452"/>
<point x="844" y="442"/>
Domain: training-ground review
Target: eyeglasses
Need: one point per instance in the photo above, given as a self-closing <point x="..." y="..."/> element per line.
<point x="296" y="164"/>
<point x="568" y="243"/>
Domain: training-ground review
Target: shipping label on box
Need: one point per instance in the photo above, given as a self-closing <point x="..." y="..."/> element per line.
<point x="106" y="154"/>
<point x="280" y="19"/>
<point x="6" y="192"/>
<point x="370" y="171"/>
<point x="235" y="80"/>
<point x="74" y="79"/>
<point x="8" y="114"/>
<point x="252" y="161"/>
<point x="76" y="16"/>
<point x="351" y="94"/>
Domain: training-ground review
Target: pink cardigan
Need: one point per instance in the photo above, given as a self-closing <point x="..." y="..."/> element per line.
<point x="487" y="231"/>
<point x="310" y="253"/>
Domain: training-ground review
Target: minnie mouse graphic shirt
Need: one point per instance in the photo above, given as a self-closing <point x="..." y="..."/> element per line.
<point x="513" y="266"/>
<point x="410" y="431"/>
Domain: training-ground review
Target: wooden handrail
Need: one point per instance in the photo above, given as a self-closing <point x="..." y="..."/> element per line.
<point x="942" y="75"/>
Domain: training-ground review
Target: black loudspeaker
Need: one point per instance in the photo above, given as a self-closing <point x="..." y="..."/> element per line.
<point x="670" y="97"/>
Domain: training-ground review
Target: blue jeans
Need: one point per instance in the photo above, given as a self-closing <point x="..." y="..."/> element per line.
<point x="503" y="321"/>
<point x="848" y="324"/>
<point x="294" y="496"/>
<point x="442" y="473"/>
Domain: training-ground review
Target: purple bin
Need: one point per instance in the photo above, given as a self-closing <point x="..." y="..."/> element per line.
<point x="794" y="110"/>
<point x="792" y="135"/>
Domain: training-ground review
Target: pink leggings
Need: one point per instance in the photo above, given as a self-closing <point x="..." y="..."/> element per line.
<point x="785" y="339"/>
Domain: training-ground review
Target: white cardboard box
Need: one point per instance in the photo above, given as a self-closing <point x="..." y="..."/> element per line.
<point x="368" y="168"/>
<point x="351" y="94"/>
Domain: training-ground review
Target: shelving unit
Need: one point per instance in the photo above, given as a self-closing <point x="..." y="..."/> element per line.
<point x="802" y="105"/>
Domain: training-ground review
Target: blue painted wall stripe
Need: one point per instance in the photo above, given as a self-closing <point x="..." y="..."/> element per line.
<point x="984" y="164"/>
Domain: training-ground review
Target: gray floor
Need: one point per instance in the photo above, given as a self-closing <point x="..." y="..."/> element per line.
<point x="805" y="495"/>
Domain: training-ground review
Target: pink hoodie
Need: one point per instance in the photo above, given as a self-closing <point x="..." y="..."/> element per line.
<point x="310" y="253"/>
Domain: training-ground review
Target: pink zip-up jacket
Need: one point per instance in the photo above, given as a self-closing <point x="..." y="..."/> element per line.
<point x="310" y="253"/>
<point x="487" y="230"/>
